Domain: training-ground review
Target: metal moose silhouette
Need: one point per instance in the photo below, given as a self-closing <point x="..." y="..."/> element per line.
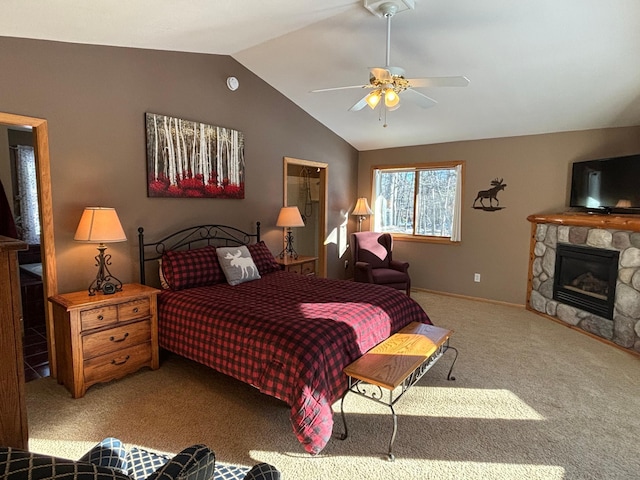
<point x="491" y="194"/>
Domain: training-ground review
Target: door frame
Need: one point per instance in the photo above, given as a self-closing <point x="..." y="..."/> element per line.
<point x="40" y="130"/>
<point x="322" y="205"/>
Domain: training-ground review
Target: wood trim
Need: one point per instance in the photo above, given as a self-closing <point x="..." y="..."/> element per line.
<point x="619" y="222"/>
<point x="532" y="246"/>
<point x="40" y="131"/>
<point x="468" y="297"/>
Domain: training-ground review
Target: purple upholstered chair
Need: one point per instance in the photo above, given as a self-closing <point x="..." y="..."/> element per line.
<point x="373" y="262"/>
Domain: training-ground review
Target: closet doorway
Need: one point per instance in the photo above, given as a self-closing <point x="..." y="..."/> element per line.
<point x="40" y="134"/>
<point x="305" y="186"/>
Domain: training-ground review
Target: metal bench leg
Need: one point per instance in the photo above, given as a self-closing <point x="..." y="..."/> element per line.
<point x="344" y="418"/>
<point x="449" y="377"/>
<point x="390" y="455"/>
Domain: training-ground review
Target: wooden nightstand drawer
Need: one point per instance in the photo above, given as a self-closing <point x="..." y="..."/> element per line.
<point x="98" y="317"/>
<point x="114" y="339"/>
<point x="308" y="268"/>
<point x="132" y="310"/>
<point x="117" y="364"/>
<point x="295" y="268"/>
<point x="301" y="265"/>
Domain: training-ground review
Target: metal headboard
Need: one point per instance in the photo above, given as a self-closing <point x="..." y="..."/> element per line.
<point x="191" y="238"/>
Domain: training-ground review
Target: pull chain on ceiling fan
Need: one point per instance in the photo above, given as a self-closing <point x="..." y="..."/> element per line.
<point x="388" y="83"/>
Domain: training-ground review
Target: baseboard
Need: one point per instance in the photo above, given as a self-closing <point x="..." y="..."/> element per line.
<point x="468" y="297"/>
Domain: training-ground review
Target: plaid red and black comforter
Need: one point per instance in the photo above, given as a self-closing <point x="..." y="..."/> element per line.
<point x="286" y="334"/>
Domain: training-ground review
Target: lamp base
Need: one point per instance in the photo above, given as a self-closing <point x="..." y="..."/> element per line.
<point x="104" y="281"/>
<point x="288" y="249"/>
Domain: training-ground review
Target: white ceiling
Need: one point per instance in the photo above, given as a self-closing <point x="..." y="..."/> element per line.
<point x="535" y="66"/>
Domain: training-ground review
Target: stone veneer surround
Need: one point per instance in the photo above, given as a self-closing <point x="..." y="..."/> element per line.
<point x="621" y="233"/>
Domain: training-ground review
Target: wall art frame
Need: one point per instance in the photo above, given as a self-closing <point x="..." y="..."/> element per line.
<point x="187" y="159"/>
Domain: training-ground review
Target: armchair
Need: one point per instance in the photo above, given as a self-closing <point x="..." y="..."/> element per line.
<point x="373" y="263"/>
<point x="109" y="460"/>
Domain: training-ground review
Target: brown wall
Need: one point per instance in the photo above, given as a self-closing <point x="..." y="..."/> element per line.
<point x="94" y="99"/>
<point x="496" y="244"/>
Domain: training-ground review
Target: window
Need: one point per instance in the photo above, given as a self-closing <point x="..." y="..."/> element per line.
<point x="421" y="201"/>
<point x="26" y="200"/>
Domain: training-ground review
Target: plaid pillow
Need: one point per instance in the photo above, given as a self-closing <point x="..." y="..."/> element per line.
<point x="263" y="258"/>
<point x="192" y="268"/>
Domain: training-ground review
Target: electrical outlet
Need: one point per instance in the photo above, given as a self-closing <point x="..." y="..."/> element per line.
<point x="346" y="264"/>
<point x="476" y="277"/>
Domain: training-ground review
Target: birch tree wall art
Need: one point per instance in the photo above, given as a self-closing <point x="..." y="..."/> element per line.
<point x="187" y="159"/>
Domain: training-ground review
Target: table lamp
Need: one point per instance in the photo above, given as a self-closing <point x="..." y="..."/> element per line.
<point x="289" y="217"/>
<point x="101" y="225"/>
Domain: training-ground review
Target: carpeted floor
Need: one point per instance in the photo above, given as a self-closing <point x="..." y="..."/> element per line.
<point x="532" y="399"/>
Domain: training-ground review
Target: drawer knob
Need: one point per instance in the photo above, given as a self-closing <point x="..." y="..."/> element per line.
<point x="113" y="339"/>
<point x="135" y="310"/>
<point x="113" y="362"/>
<point x="100" y="317"/>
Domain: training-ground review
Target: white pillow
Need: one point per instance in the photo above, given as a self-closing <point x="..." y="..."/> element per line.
<point x="237" y="264"/>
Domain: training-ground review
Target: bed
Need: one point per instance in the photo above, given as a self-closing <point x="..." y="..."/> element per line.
<point x="286" y="334"/>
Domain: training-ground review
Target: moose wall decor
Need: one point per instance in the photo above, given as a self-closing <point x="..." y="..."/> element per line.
<point x="491" y="194"/>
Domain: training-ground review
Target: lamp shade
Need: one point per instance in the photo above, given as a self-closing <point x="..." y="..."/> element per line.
<point x="289" y="217"/>
<point x="362" y="207"/>
<point x="99" y="225"/>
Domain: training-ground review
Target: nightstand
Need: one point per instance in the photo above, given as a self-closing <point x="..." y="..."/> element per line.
<point x="104" y="337"/>
<point x="302" y="265"/>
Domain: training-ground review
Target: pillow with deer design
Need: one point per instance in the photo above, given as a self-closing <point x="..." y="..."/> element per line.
<point x="237" y="264"/>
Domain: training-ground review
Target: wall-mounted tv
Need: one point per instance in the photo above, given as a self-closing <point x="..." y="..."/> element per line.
<point x="607" y="185"/>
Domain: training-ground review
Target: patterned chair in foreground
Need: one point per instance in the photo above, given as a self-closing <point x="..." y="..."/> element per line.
<point x="110" y="460"/>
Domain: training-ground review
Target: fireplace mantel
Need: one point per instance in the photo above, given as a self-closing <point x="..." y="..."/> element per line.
<point x="615" y="222"/>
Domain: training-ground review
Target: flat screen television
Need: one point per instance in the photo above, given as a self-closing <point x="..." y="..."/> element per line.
<point x="608" y="185"/>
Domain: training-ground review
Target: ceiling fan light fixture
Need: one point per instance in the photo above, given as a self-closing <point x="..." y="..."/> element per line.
<point x="391" y="98"/>
<point x="373" y="99"/>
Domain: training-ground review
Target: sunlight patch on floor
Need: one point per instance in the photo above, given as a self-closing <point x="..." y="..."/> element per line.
<point x="452" y="403"/>
<point x="71" y="449"/>
<point x="411" y="468"/>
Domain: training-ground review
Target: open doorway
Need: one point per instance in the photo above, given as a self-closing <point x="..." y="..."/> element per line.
<point x="305" y="186"/>
<point x="44" y="253"/>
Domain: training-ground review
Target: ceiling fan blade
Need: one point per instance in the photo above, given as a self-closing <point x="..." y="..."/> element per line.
<point x="439" y="82"/>
<point x="381" y="74"/>
<point x="418" y="98"/>
<point x="360" y="104"/>
<point x="341" y="88"/>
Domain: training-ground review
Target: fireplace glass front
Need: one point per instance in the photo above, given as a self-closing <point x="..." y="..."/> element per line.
<point x="585" y="278"/>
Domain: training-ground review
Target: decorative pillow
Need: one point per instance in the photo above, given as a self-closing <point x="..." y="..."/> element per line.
<point x="237" y="264"/>
<point x="191" y="268"/>
<point x="263" y="258"/>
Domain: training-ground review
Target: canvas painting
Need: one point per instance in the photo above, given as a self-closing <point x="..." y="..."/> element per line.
<point x="188" y="159"/>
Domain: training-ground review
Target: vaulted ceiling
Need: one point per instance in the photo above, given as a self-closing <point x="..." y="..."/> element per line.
<point x="535" y="66"/>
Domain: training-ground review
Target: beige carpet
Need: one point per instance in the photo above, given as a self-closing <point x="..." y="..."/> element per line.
<point x="532" y="399"/>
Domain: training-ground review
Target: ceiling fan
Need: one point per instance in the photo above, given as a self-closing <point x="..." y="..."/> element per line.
<point x="387" y="83"/>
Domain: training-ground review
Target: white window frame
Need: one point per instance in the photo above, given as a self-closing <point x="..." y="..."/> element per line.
<point x="455" y="237"/>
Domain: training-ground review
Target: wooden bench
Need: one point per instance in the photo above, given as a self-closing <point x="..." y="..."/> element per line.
<point x="395" y="365"/>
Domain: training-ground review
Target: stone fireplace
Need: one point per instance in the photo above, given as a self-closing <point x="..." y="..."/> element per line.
<point x="584" y="270"/>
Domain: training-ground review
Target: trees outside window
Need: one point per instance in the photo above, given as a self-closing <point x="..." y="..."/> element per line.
<point x="420" y="201"/>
